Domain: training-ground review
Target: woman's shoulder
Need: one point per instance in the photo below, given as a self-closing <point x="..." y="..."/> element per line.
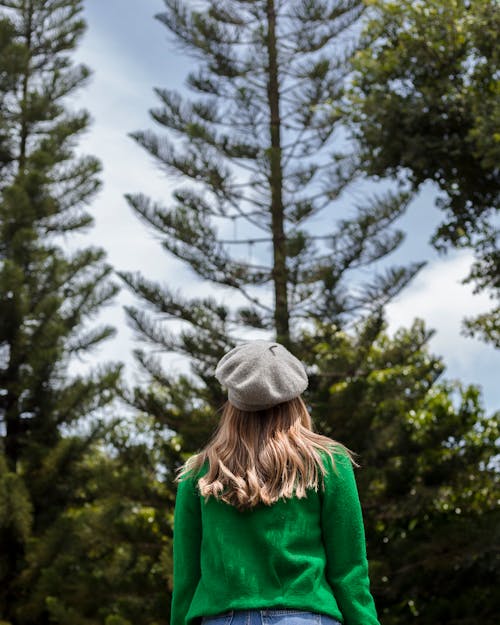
<point x="338" y="464"/>
<point x="336" y="451"/>
<point x="192" y="469"/>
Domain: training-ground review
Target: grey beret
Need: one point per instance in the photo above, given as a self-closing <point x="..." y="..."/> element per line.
<point x="260" y="374"/>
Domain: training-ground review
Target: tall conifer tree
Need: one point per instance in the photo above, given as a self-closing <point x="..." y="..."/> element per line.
<point x="47" y="296"/>
<point x="255" y="151"/>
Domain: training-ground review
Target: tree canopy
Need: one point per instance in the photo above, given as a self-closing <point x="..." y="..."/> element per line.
<point x="424" y="104"/>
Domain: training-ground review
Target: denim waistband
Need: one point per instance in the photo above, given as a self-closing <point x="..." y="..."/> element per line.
<point x="259" y="616"/>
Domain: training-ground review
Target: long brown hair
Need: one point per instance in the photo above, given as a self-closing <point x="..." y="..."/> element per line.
<point x="262" y="456"/>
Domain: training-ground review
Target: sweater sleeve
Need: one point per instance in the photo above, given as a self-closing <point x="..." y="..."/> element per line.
<point x="344" y="540"/>
<point x="186" y="549"/>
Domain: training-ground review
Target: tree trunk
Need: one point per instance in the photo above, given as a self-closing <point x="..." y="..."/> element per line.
<point x="281" y="314"/>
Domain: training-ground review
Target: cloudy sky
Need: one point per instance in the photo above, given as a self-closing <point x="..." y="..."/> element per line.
<point x="130" y="53"/>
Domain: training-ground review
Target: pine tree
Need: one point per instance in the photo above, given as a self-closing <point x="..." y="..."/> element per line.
<point x="107" y="558"/>
<point x="46" y="296"/>
<point x="254" y="144"/>
<point x="265" y="70"/>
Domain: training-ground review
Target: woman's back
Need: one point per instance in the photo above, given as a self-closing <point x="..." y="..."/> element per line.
<point x="291" y="554"/>
<point x="267" y="515"/>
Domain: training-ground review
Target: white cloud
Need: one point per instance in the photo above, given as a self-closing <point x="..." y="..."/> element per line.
<point x="437" y="295"/>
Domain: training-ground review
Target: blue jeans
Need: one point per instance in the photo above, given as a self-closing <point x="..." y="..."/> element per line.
<point x="273" y="616"/>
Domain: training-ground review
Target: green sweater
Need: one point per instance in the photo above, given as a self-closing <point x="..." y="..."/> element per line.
<point x="307" y="554"/>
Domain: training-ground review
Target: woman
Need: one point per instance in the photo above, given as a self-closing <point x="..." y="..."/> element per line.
<point x="267" y="523"/>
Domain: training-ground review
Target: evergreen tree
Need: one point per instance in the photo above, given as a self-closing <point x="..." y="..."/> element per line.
<point x="424" y="104"/>
<point x="46" y="296"/>
<point x="107" y="557"/>
<point x="254" y="144"/>
<point x="266" y="70"/>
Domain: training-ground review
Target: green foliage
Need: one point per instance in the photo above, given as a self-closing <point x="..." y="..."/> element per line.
<point x="16" y="509"/>
<point x="427" y="450"/>
<point x="106" y="558"/>
<point x="46" y="299"/>
<point x="424" y="105"/>
<point x="429" y="479"/>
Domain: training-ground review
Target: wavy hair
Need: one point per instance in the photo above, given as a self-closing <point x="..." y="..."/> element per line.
<point x="261" y="456"/>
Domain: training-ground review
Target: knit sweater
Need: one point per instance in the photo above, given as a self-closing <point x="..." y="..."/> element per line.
<point x="307" y="554"/>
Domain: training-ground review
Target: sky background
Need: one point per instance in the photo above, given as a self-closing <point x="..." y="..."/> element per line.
<point x="130" y="53"/>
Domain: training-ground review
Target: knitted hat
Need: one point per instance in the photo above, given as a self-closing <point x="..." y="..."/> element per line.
<point x="260" y="374"/>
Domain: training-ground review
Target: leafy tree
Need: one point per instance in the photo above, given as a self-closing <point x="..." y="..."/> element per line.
<point x="46" y="296"/>
<point x="429" y="478"/>
<point x="424" y="105"/>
